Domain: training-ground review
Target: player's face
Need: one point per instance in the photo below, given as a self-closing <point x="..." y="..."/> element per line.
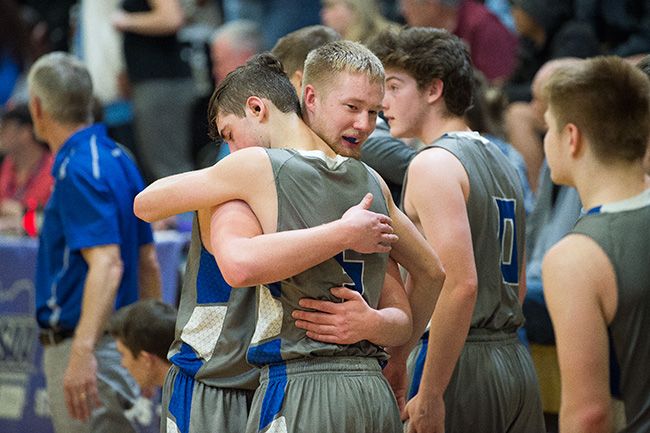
<point x="239" y="132"/>
<point x="402" y="104"/>
<point x="553" y="147"/>
<point x="345" y="113"/>
<point x="137" y="366"/>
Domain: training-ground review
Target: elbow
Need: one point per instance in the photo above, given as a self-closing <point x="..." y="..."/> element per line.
<point x="467" y="290"/>
<point x="594" y="418"/>
<point x="141" y="210"/>
<point x="237" y="272"/>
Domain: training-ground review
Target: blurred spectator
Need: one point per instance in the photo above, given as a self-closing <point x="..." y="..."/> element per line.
<point x="356" y="20"/>
<point x="231" y="46"/>
<point x="162" y="86"/>
<point x="56" y="14"/>
<point x="621" y="26"/>
<point x="144" y="331"/>
<point x="292" y="50"/>
<point x="275" y="17"/>
<point x="525" y="125"/>
<point x="501" y="8"/>
<point x="16" y="49"/>
<point x="25" y="173"/>
<point x="546" y="32"/>
<point x="492" y="46"/>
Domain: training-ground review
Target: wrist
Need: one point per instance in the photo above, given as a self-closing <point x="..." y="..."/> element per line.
<point x="342" y="234"/>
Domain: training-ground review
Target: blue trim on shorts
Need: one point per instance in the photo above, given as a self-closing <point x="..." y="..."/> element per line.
<point x="187" y="360"/>
<point x="211" y="288"/>
<point x="180" y="402"/>
<point x="418" y="369"/>
<point x="274" y="395"/>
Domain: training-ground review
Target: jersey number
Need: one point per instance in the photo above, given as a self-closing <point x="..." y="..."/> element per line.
<point x="353" y="268"/>
<point x="507" y="238"/>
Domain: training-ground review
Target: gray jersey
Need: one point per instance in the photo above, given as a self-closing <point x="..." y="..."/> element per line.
<point x="622" y="230"/>
<point x="214" y="325"/>
<point x="313" y="189"/>
<point x="496" y="213"/>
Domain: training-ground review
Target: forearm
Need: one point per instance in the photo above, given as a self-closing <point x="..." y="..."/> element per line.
<point x="149" y="273"/>
<point x="276" y="256"/>
<point x="393" y="325"/>
<point x="179" y="193"/>
<point x="102" y="281"/>
<point x="447" y="334"/>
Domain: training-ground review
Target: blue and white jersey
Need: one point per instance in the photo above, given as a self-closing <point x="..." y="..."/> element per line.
<point x="215" y="324"/>
<point x="95" y="183"/>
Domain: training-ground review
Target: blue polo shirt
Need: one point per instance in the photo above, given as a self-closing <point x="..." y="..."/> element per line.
<point x="91" y="205"/>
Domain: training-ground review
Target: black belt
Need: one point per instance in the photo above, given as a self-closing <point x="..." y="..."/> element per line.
<point x="50" y="337"/>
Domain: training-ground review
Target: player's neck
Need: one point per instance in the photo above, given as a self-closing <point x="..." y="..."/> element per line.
<point x="292" y="132"/>
<point x="437" y="126"/>
<point x="608" y="183"/>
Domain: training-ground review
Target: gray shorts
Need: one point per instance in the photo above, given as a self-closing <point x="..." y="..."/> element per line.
<point x="333" y="395"/>
<point x="493" y="389"/>
<point x="190" y="406"/>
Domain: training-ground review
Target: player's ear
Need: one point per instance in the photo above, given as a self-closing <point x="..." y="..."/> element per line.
<point x="434" y="90"/>
<point x="256" y="107"/>
<point x="575" y="137"/>
<point x="309" y="97"/>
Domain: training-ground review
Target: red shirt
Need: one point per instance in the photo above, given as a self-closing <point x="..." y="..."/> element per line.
<point x="35" y="191"/>
<point x="492" y="46"/>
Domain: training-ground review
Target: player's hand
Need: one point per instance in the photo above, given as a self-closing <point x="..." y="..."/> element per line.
<point x="395" y="374"/>
<point x="368" y="232"/>
<point x="425" y="415"/>
<point x="340" y="323"/>
<point x="80" y="384"/>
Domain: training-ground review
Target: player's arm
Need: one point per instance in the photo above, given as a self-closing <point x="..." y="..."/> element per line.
<point x="354" y="320"/>
<point x="149" y="273"/>
<point x="238" y="176"/>
<point x="445" y="224"/>
<point x="246" y="257"/>
<point x="80" y="379"/>
<point x="580" y="291"/>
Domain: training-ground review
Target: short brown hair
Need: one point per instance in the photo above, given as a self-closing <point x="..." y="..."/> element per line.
<point x="145" y="326"/>
<point x="608" y="99"/>
<point x="293" y="48"/>
<point x="427" y="54"/>
<point x="261" y="76"/>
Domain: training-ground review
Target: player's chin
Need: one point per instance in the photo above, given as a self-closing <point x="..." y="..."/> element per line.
<point x="348" y="149"/>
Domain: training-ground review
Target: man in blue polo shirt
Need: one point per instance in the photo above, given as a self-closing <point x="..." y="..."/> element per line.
<point x="94" y="256"/>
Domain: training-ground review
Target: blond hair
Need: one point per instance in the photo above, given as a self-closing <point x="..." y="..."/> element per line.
<point x="324" y="64"/>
